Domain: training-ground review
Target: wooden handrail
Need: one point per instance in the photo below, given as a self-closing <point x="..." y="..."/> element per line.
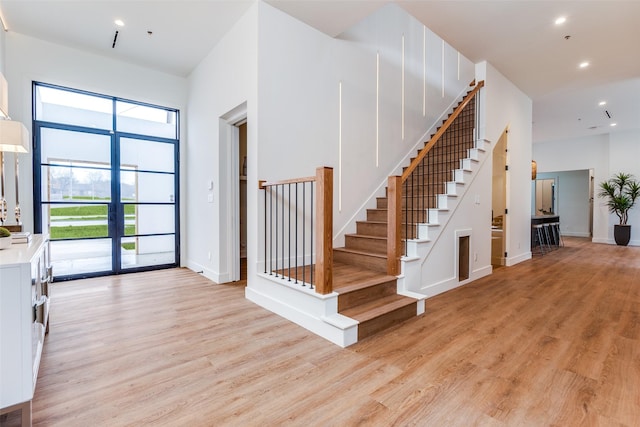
<point x="414" y="164"/>
<point x="263" y="184"/>
<point x="395" y="183"/>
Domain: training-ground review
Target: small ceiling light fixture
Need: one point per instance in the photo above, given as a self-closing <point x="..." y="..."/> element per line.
<point x="602" y="103"/>
<point x="584" y="64"/>
<point x="613" y="124"/>
<point x="561" y="20"/>
<point x="119" y="22"/>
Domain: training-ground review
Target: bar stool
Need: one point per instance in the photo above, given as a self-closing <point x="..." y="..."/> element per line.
<point x="553" y="239"/>
<point x="555" y="226"/>
<point x="547" y="235"/>
<point x="538" y="238"/>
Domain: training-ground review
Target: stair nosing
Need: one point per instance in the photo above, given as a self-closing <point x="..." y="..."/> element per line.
<point x="362" y="313"/>
<point x="366" y="236"/>
<point x="358" y="252"/>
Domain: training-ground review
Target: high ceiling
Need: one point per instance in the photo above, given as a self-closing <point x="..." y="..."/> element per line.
<point x="518" y="37"/>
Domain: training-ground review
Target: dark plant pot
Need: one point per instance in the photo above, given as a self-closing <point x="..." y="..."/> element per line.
<point x="622" y="234"/>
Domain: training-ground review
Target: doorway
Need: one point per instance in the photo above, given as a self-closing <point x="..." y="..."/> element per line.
<point x="242" y="197"/>
<point x="499" y="202"/>
<point x="234" y="170"/>
<point x="568" y="194"/>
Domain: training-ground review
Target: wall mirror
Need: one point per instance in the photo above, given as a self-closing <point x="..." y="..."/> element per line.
<point x="545" y="196"/>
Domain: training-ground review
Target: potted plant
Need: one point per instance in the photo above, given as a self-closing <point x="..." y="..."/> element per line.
<point x="5" y="238"/>
<point x="620" y="193"/>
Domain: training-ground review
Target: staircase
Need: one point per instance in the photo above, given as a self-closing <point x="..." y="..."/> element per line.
<point x="366" y="293"/>
<point x="349" y="293"/>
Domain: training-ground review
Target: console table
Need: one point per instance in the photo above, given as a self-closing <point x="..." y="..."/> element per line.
<point x="25" y="276"/>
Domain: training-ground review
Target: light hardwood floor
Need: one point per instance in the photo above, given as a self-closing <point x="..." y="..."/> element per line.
<point x="551" y="341"/>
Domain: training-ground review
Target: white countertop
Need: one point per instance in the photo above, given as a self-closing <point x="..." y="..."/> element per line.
<point x="20" y="253"/>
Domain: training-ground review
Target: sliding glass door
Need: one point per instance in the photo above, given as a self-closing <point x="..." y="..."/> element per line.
<point x="105" y="182"/>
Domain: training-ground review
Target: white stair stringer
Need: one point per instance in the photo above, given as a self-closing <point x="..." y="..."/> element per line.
<point x="429" y="234"/>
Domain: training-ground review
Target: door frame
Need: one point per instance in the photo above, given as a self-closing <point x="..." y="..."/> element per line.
<point x="115" y="207"/>
<point x="229" y="160"/>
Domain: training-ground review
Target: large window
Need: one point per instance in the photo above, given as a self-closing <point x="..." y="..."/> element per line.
<point x="106" y="182"/>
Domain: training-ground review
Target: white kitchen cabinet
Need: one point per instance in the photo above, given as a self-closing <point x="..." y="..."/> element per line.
<point x="25" y="277"/>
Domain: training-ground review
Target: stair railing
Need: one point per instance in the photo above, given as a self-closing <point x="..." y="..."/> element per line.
<point x="298" y="229"/>
<point x="416" y="185"/>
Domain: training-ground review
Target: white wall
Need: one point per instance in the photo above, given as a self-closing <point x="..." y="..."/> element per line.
<point x="300" y="72"/>
<point x="3" y="49"/>
<point x="507" y="107"/>
<point x="224" y="80"/>
<point x="29" y="59"/>
<point x="623" y="157"/>
<point x="606" y="155"/>
<point x="572" y="201"/>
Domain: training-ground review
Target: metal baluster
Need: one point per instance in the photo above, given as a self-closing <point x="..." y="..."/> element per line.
<point x="296" y="281"/>
<point x="282" y="231"/>
<point x="265" y="230"/>
<point x="276" y="231"/>
<point x="311" y="249"/>
<point x="270" y="231"/>
<point x="304" y="233"/>
<point x="289" y="234"/>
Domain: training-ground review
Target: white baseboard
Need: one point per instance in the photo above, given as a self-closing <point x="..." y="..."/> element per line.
<point x="517" y="259"/>
<point x="575" y="234"/>
<point x="208" y="273"/>
<point x="613" y="242"/>
<point x="453" y="282"/>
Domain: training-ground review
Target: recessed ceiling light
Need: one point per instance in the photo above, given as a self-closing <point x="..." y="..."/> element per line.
<point x="613" y="124"/>
<point x="601" y="103"/>
<point x="584" y="64"/>
<point x="119" y="22"/>
<point x="561" y="20"/>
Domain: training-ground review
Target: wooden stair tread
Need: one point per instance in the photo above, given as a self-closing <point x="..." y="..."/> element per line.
<point x="360" y="252"/>
<point x="366" y="236"/>
<point x="373" y="309"/>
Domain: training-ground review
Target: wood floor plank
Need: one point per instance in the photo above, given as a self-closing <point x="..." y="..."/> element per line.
<point x="551" y="341"/>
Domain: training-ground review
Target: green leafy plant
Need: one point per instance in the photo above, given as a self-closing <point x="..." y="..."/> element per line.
<point x="4" y="232"/>
<point x="620" y="193"/>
